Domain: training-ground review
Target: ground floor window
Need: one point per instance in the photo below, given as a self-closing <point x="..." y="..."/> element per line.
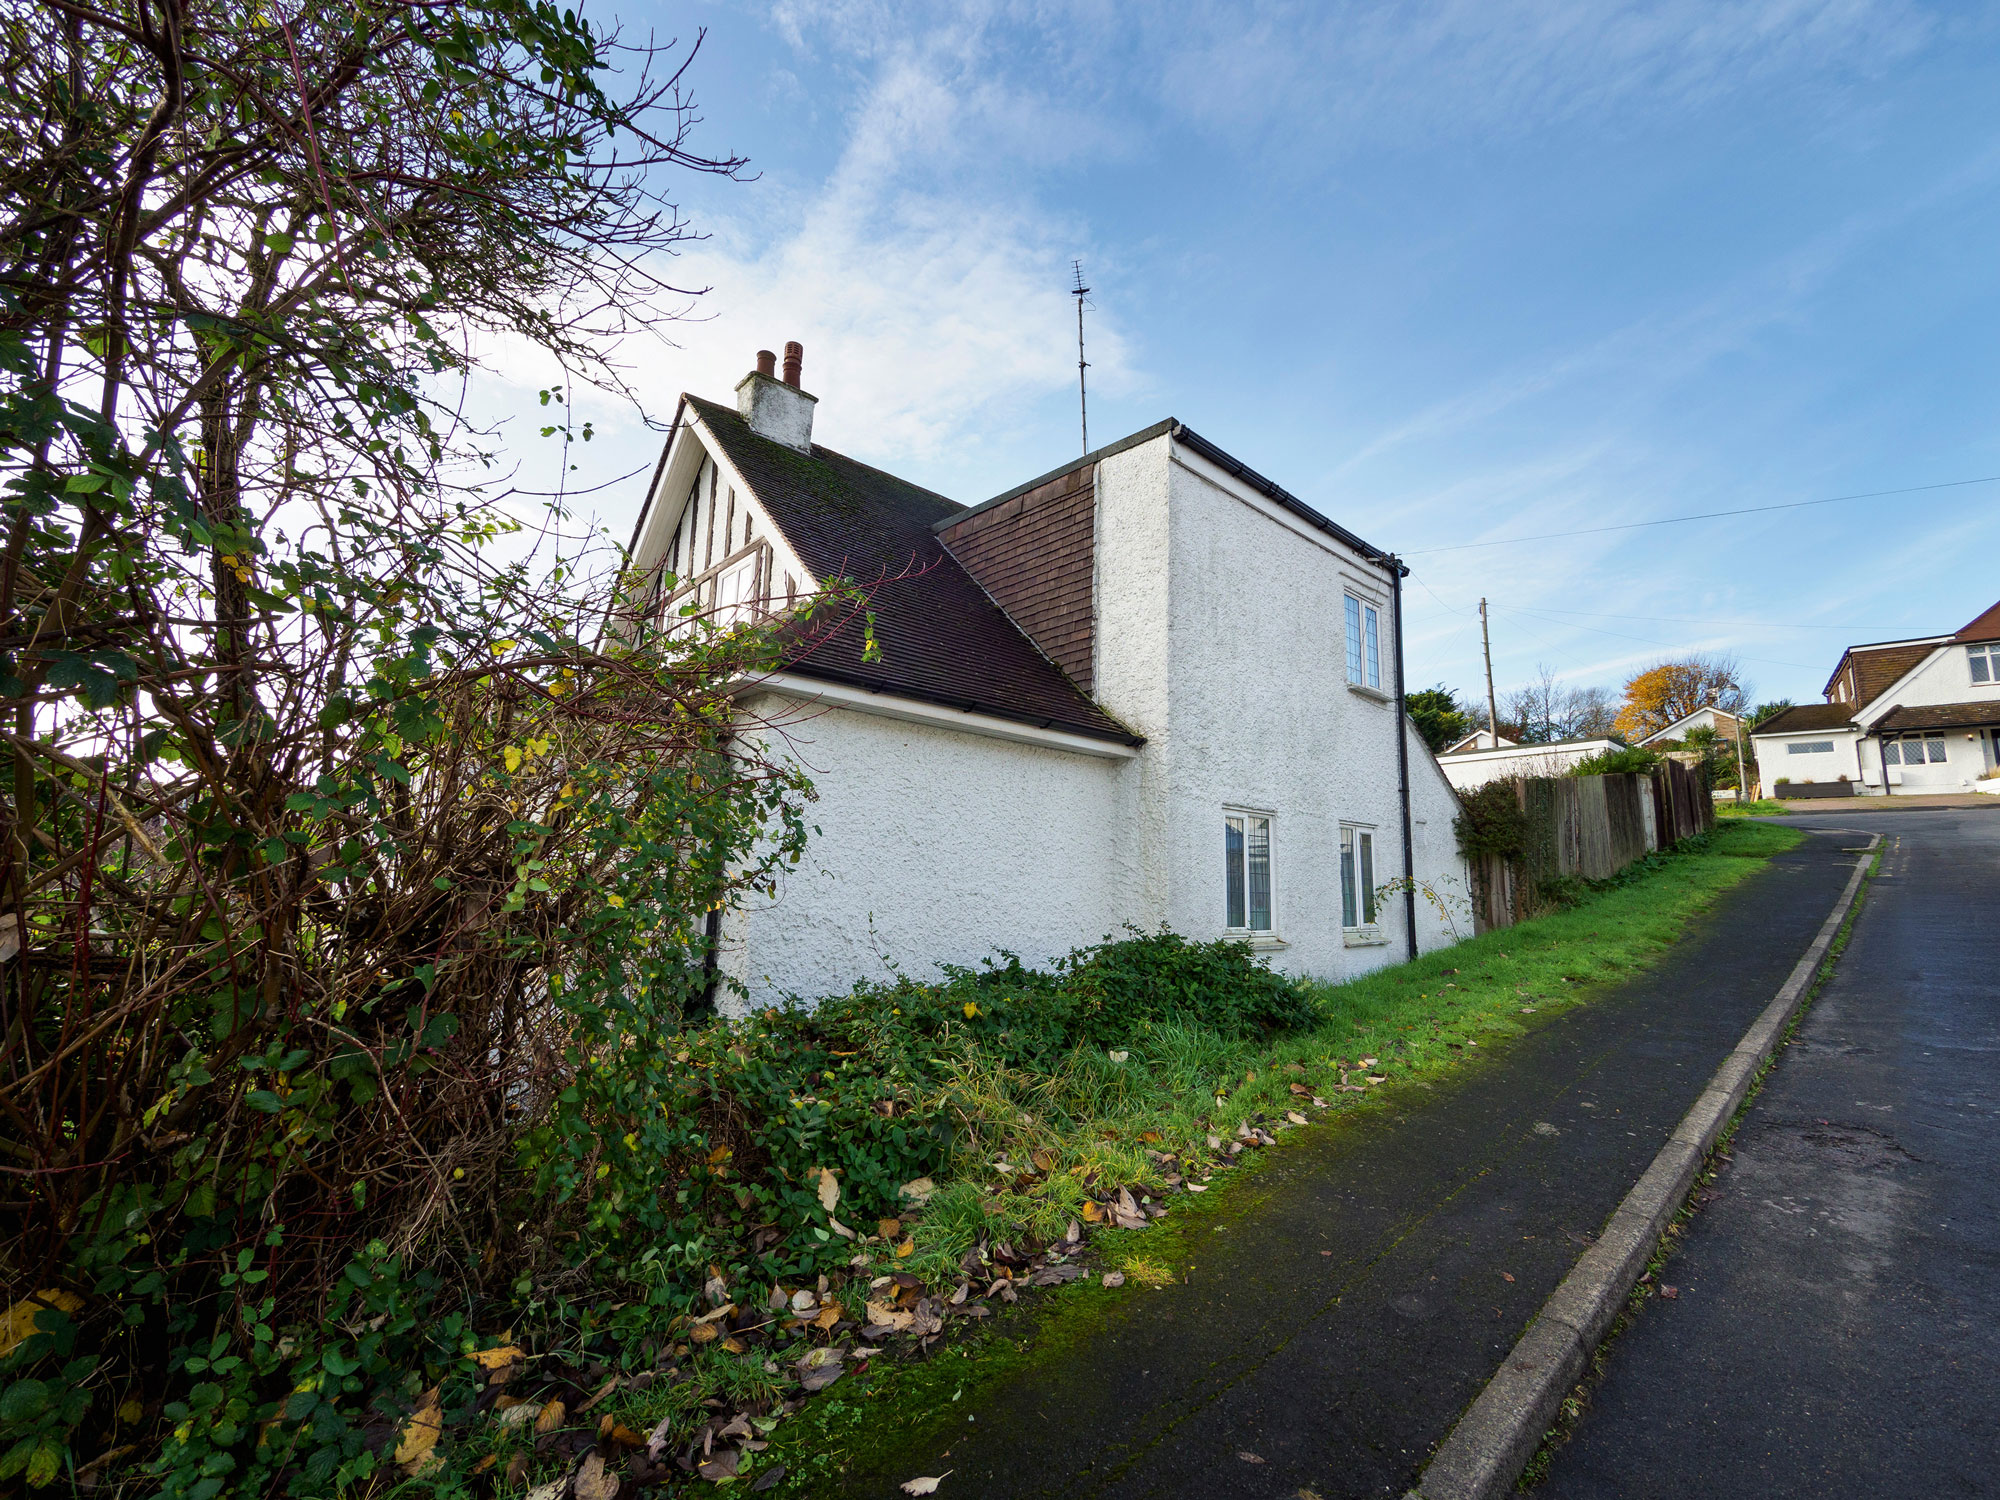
<point x="1913" y="750"/>
<point x="1357" y="876"/>
<point x="1246" y="847"/>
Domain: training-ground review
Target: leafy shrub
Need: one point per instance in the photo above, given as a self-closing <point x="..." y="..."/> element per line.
<point x="1491" y="822"/>
<point x="1624" y="760"/>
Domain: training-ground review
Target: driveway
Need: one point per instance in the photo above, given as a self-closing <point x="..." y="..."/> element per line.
<point x="1837" y="1329"/>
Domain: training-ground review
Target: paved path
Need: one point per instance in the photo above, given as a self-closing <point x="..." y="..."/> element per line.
<point x="1449" y="1220"/>
<point x="1838" y="1328"/>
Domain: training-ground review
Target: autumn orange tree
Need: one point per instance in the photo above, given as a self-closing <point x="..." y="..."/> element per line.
<point x="1673" y="689"/>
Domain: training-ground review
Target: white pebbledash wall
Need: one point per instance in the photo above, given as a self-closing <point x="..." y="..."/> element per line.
<point x="1220" y="638"/>
<point x="1945" y="676"/>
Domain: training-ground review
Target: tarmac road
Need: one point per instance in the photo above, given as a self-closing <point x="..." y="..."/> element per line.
<point x="1369" y="1281"/>
<point x="1837" y="1329"/>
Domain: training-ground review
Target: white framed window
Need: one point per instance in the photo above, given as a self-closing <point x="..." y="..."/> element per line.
<point x="1357" y="878"/>
<point x="1809" y="747"/>
<point x="1914" y="750"/>
<point x="1246" y="853"/>
<point x="1364" y="646"/>
<point x="1985" y="662"/>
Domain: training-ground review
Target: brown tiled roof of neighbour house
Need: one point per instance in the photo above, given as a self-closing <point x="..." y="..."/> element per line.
<point x="1805" y="717"/>
<point x="1877" y="668"/>
<point x="1035" y="554"/>
<point x="1940" y="716"/>
<point x="941" y="638"/>
<point x="1984" y="627"/>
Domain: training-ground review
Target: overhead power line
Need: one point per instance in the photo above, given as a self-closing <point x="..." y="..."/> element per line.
<point x="1710" y="515"/>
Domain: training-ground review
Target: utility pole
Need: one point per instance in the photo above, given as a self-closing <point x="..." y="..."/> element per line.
<point x="1078" y="290"/>
<point x="1492" y="707"/>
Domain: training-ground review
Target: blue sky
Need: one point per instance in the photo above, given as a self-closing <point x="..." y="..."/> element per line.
<point x="1449" y="271"/>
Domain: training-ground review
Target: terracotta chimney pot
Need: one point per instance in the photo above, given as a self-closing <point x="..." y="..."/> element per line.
<point x="795" y="358"/>
<point x="767" y="363"/>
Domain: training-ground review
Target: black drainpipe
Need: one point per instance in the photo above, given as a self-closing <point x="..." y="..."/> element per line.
<point x="1403" y="754"/>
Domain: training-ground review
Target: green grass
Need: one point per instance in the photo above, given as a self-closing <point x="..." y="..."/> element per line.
<point x="1762" y="807"/>
<point x="1096" y="1120"/>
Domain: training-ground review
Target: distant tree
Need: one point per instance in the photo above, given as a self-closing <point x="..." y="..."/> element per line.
<point x="1765" y="711"/>
<point x="1438" y="716"/>
<point x="1545" y="710"/>
<point x="1670" y="690"/>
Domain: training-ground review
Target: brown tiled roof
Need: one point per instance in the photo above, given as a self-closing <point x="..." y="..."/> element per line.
<point x="1808" y="716"/>
<point x="1878" y="668"/>
<point x="1985" y="627"/>
<point x="1941" y="716"/>
<point x="941" y="638"/>
<point x="1035" y="554"/>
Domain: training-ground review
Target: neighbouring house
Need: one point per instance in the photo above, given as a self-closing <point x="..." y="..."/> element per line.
<point x="1149" y="687"/>
<point x="1469" y="768"/>
<point x="1479" y="739"/>
<point x="1905" y="717"/>
<point x="1672" y="735"/>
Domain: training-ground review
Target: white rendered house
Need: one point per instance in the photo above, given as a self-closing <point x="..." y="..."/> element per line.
<point x="1900" y="718"/>
<point x="1150" y="687"/>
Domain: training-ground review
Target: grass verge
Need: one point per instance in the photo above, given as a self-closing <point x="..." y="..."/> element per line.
<point x="1181" y="1089"/>
<point x="1570" y="1415"/>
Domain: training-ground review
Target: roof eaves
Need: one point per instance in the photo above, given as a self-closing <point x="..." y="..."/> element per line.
<point x="806" y="667"/>
<point x="1272" y="490"/>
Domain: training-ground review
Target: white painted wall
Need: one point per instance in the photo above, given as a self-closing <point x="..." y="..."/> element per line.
<point x="1945" y="676"/>
<point x="933" y="845"/>
<point x="1243" y="698"/>
<point x="1775" y="758"/>
<point x="1474" y="768"/>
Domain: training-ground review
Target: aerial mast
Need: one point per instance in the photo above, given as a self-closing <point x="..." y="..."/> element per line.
<point x="1078" y="290"/>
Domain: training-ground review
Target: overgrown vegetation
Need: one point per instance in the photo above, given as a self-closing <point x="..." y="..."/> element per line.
<point x="1622" y="760"/>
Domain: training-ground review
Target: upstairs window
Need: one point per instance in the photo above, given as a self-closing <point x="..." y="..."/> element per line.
<point x="1246" y="849"/>
<point x="1357" y="877"/>
<point x="1985" y="662"/>
<point x="1364" y="657"/>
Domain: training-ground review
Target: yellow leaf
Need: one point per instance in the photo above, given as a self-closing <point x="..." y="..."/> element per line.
<point x="702" y="1333"/>
<point x="416" y="1452"/>
<point x="905" y="1250"/>
<point x="19" y="1320"/>
<point x="971" y="1010"/>
<point x="550" y="1418"/>
<point x="493" y="1359"/>
<point x="614" y="900"/>
<point x="511" y="758"/>
<point x="1091" y="1212"/>
<point x="501" y="648"/>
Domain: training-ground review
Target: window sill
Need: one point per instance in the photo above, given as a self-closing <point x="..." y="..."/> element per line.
<point x="1374" y="695"/>
<point x="1363" y="937"/>
<point x="1257" y="942"/>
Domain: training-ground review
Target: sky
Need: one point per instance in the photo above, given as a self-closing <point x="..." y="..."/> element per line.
<point x="1452" y="272"/>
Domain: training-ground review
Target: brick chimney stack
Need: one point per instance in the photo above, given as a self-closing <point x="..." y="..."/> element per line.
<point x="776" y="409"/>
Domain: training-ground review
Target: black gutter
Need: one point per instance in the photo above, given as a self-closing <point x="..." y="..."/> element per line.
<point x="1286" y="498"/>
<point x="1396" y="572"/>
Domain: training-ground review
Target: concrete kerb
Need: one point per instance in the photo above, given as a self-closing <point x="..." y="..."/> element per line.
<point x="1493" y="1441"/>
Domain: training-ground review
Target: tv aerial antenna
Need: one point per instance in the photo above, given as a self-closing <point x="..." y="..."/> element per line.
<point x="1079" y="291"/>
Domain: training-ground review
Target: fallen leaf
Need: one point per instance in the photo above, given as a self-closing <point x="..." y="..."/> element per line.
<point x="1301" y="1090"/>
<point x="829" y="1189"/>
<point x="722" y="1466"/>
<point x="1295" y="1117"/>
<point x="703" y="1333"/>
<point x="610" y="1385"/>
<point x="926" y="1485"/>
<point x="828" y="1316"/>
<point x="19" y="1320"/>
<point x="1505" y="1276"/>
<point x="493" y="1359"/>
<point x="517" y="1470"/>
<point x="905" y="1250"/>
<point x="888" y="1229"/>
<point x="1117" y="1057"/>
<point x="1114" y="1278"/>
<point x="520" y="1414"/>
<point x="1377" y="1078"/>
<point x="551" y="1417"/>
<point x="592" y="1482"/>
<point x="1669" y="1291"/>
<point x="1250" y="1458"/>
<point x="1044" y="1160"/>
<point x="416" y="1450"/>
<point x="1092" y="1214"/>
<point x="918" y="1192"/>
<point x="768" y="1480"/>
